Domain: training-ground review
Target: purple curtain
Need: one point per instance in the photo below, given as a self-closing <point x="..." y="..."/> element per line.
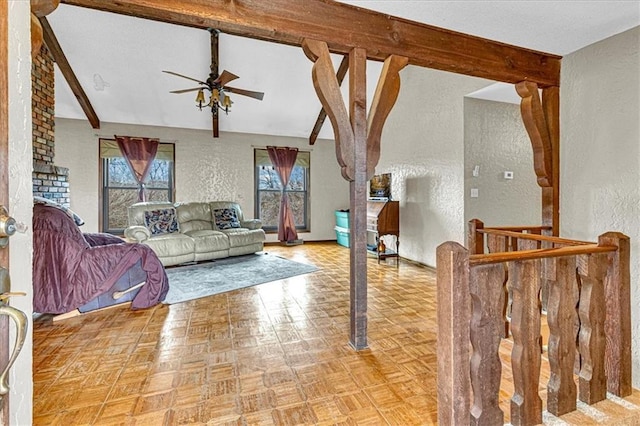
<point x="139" y="153"/>
<point x="283" y="160"/>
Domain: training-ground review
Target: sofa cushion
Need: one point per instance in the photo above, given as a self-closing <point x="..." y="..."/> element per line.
<point x="209" y="241"/>
<point x="244" y="237"/>
<point x="161" y="221"/>
<point x="169" y="245"/>
<point x="194" y="216"/>
<point x="226" y="219"/>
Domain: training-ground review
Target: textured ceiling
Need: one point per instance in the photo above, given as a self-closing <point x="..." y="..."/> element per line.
<point x="118" y="59"/>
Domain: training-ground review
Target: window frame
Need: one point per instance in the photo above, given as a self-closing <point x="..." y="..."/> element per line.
<point x="269" y="229"/>
<point x="104" y="186"/>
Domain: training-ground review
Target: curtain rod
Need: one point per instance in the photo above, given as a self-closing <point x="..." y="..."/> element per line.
<point x="299" y="149"/>
<point x="113" y="137"/>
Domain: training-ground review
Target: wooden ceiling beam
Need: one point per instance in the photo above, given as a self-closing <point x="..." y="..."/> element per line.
<point x="344" y="27"/>
<point x="340" y="74"/>
<point x="58" y="56"/>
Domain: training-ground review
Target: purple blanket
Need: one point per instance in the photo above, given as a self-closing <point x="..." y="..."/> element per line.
<point x="71" y="268"/>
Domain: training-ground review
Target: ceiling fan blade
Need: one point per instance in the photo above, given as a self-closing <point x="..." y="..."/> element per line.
<point x="225" y="78"/>
<point x="184" y="76"/>
<point x="249" y="93"/>
<point x="186" y="90"/>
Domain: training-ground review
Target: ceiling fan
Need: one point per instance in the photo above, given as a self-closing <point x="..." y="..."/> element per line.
<point x="216" y="85"/>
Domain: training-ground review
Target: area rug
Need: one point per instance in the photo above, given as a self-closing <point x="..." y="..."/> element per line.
<point x="206" y="279"/>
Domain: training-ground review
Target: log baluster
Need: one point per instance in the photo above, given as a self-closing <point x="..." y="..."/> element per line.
<point x="454" y="313"/>
<point x="592" y="380"/>
<point x="497" y="244"/>
<point x="526" y="405"/>
<point x="561" y="317"/>
<point x="475" y="239"/>
<point x="617" y="287"/>
<point x="487" y="301"/>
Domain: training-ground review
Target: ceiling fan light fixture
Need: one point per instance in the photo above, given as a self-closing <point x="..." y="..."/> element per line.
<point x="200" y="101"/>
<point x="226" y="103"/>
<point x="215" y="97"/>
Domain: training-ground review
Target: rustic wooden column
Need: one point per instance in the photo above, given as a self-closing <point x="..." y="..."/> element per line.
<point x="617" y="293"/>
<point x="454" y="315"/>
<point x="357" y="151"/>
<point x="475" y="240"/>
<point x="358" y="199"/>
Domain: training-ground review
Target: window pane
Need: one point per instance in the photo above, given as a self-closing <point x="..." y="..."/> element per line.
<point x="157" y="195"/>
<point x="296" y="203"/>
<point x="159" y="174"/>
<point x="119" y="202"/>
<point x="120" y="174"/>
<point x="297" y="181"/>
<point x="268" y="178"/>
<point x="269" y="208"/>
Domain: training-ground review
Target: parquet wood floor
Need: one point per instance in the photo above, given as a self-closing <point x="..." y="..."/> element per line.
<point x="276" y="354"/>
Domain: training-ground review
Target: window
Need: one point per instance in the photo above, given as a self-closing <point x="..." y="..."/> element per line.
<point x="120" y="189"/>
<point x="269" y="191"/>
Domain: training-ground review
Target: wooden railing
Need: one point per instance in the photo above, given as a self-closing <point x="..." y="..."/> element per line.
<point x="588" y="313"/>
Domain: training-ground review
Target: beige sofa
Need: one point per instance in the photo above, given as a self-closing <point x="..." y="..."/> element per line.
<point x="195" y="231"/>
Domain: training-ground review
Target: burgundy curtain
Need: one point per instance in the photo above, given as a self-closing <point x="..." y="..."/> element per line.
<point x="283" y="160"/>
<point x="139" y="153"/>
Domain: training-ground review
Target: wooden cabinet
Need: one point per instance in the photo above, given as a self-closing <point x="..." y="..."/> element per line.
<point x="383" y="218"/>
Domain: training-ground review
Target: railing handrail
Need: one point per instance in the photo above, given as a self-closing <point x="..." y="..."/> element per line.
<point x="521" y="228"/>
<point x="485" y="259"/>
<point x="536" y="237"/>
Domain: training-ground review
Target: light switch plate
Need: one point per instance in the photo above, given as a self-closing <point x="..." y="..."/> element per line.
<point x="474" y="192"/>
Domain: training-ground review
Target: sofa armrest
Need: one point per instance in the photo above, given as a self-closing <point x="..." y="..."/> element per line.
<point x="137" y="233"/>
<point x="251" y="224"/>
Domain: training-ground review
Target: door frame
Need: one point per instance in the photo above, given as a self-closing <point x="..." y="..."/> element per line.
<point x="4" y="179"/>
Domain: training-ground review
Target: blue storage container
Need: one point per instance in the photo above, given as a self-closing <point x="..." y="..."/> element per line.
<point x="342" y="235"/>
<point x="342" y="219"/>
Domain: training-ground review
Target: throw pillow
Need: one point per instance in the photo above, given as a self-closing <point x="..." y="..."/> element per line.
<point x="162" y="221"/>
<point x="226" y="218"/>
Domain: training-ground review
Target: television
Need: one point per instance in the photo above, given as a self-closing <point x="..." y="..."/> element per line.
<point x="380" y="186"/>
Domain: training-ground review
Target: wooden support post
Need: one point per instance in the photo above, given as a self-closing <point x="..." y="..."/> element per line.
<point x="454" y="314"/>
<point x="487" y="300"/>
<point x="357" y="151"/>
<point x="526" y="405"/>
<point x="551" y="195"/>
<point x="358" y="198"/>
<point x="592" y="380"/>
<point x="475" y="240"/>
<point x="617" y="289"/>
<point x="561" y="316"/>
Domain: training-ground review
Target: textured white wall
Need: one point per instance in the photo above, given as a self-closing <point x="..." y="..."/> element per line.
<point x="206" y="169"/>
<point x="423" y="147"/>
<point x="495" y="140"/>
<point x="600" y="151"/>
<point x="20" y="201"/>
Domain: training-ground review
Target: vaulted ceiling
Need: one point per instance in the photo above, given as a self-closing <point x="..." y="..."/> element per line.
<point x="118" y="59"/>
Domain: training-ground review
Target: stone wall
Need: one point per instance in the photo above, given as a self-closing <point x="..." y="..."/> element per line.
<point x="49" y="181"/>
